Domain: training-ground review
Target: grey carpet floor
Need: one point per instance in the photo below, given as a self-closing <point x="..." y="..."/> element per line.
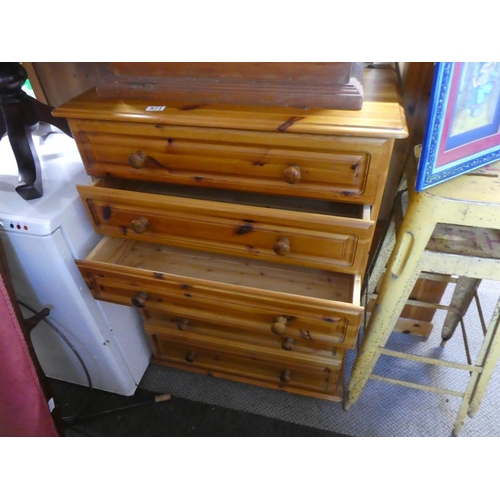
<point x="383" y="409"/>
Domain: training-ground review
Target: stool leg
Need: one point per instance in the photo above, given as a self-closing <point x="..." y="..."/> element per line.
<point x="398" y="282"/>
<point x="388" y="242"/>
<point x="478" y="383"/>
<point x="382" y="258"/>
<point x="390" y="303"/>
<point x="464" y="407"/>
<point x="460" y="302"/>
<point x="488" y="357"/>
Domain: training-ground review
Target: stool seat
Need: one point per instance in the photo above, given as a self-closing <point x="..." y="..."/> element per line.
<point x="450" y="229"/>
<point x="465" y="240"/>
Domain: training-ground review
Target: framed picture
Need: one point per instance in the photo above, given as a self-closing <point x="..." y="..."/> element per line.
<point x="463" y="123"/>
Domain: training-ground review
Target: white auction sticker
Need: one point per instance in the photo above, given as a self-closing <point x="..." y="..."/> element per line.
<point x="155" y="108"/>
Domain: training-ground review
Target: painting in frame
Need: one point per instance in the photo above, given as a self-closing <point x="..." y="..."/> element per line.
<point x="463" y="123"/>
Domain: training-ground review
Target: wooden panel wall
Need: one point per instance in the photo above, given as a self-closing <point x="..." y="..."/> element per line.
<point x="415" y="91"/>
<point x="56" y="82"/>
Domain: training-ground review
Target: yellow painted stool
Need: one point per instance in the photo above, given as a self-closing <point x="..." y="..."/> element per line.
<point x="450" y="229"/>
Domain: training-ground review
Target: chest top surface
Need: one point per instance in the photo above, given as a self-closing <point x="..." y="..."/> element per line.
<point x="382" y="114"/>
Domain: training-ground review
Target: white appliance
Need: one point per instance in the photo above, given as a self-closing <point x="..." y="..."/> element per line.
<point x="42" y="238"/>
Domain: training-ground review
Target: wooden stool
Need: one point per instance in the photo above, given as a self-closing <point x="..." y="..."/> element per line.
<point x="449" y="229"/>
<point x="465" y="289"/>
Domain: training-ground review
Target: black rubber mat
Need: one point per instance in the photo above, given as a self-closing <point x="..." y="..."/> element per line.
<point x="106" y="414"/>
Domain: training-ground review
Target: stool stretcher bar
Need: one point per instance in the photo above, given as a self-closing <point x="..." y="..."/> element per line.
<point x="430" y="361"/>
<point x="439" y="390"/>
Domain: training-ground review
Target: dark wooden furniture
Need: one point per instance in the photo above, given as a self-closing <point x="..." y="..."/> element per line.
<point x="20" y="116"/>
<point x="332" y="85"/>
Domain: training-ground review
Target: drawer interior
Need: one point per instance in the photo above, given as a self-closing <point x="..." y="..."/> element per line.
<point x="298" y="204"/>
<point x="161" y="260"/>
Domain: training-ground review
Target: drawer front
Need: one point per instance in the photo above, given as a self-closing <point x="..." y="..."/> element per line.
<point x="298" y="238"/>
<point x="247" y="367"/>
<point x="253" y="305"/>
<point x="325" y="167"/>
<point x="239" y="347"/>
<point x="219" y="329"/>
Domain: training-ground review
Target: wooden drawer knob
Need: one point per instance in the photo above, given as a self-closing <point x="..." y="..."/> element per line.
<point x="292" y="174"/>
<point x="137" y="160"/>
<point x="282" y="246"/>
<point x="182" y="324"/>
<point x="279" y="325"/>
<point x="287" y="344"/>
<point x="139" y="225"/>
<point x="285" y="376"/>
<point x="190" y="357"/>
<point x="140" y="299"/>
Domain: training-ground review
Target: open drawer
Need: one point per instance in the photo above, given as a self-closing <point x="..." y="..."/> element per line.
<point x="271" y="297"/>
<point x="312" y="233"/>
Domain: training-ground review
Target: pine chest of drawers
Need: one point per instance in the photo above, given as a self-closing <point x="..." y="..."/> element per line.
<point x="241" y="234"/>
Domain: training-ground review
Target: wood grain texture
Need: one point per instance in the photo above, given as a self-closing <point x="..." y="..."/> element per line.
<point x="336" y="85"/>
<point x="315" y="301"/>
<point x="210" y="325"/>
<point x="315" y="240"/>
<point x="62" y="81"/>
<point x="335" y="168"/>
<point x="332" y="73"/>
<point x="241" y="232"/>
<point x="382" y="115"/>
<point x="247" y="367"/>
<point x="275" y="354"/>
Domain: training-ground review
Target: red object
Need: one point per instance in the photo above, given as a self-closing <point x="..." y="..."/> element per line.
<point x="24" y="409"/>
